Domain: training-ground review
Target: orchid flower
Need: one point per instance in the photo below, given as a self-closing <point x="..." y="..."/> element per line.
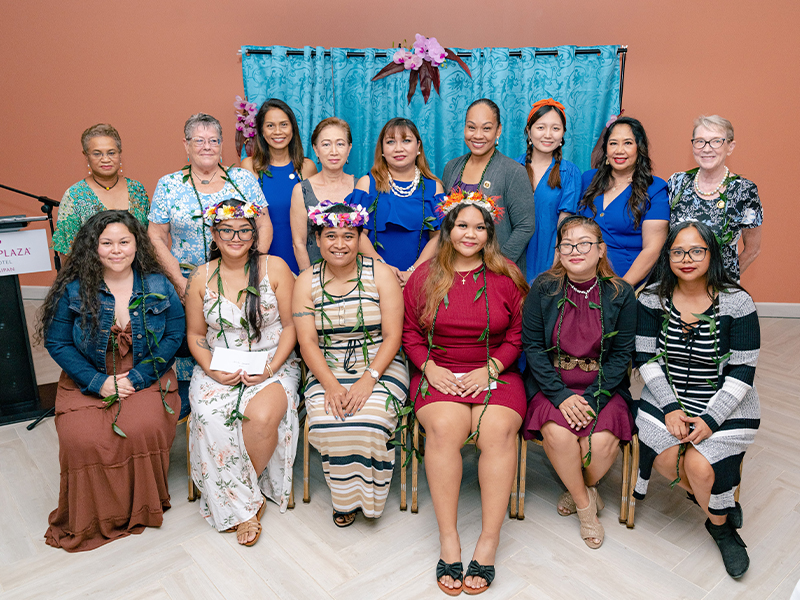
<point x="413" y="62"/>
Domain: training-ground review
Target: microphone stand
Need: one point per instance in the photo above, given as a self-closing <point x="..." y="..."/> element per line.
<point x="47" y="208"/>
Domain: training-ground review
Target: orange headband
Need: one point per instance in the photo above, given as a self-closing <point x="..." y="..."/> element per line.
<point x="547" y="102"/>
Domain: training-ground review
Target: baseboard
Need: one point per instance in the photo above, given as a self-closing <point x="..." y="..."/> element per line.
<point x="34" y="292"/>
<point x="780" y="310"/>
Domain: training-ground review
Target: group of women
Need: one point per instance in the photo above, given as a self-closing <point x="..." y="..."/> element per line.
<point x="463" y="273"/>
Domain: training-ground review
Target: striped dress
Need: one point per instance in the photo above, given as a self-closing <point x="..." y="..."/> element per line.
<point x="356" y="455"/>
<point x="724" y="397"/>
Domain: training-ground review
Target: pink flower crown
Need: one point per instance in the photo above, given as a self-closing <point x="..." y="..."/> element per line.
<point x="457" y="196"/>
<point x="357" y="216"/>
<point x="220" y="212"/>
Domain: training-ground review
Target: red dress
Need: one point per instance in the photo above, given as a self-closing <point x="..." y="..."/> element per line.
<point x="458" y="327"/>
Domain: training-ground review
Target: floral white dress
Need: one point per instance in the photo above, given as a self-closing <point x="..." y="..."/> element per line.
<point x="230" y="487"/>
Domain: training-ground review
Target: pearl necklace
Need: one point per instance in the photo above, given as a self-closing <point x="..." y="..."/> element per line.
<point x="586" y="293"/>
<point x="405" y="192"/>
<point x="716" y="189"/>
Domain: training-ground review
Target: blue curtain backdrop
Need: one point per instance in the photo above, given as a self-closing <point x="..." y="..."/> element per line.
<point x="317" y="86"/>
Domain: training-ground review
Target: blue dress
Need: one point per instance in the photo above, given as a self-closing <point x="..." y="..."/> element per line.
<point x="549" y="203"/>
<point x="397" y="222"/>
<point x="624" y="243"/>
<point x="278" y="192"/>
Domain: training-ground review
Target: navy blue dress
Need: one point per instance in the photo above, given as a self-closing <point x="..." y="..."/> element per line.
<point x="278" y="192"/>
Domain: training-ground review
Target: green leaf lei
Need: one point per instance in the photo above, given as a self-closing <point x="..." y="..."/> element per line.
<point x="427" y="222"/>
<point x="718" y="360"/>
<point x="188" y="177"/>
<point x="727" y="235"/>
<point x="587" y="459"/>
<point x="153" y="359"/>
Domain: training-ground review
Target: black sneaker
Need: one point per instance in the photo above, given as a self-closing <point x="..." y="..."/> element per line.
<point x="731" y="546"/>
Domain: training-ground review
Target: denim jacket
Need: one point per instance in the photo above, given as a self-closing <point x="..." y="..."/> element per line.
<point x="83" y="357"/>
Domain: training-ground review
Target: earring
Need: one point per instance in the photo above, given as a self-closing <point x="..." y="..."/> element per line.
<point x="496" y="141"/>
<point x="347" y="162"/>
<point x="608" y="163"/>
<point x="418" y="153"/>
<point x="213" y="246"/>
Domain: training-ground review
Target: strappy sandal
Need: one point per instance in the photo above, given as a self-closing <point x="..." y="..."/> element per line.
<point x="476" y="569"/>
<point x="249" y="527"/>
<point x="591" y="528"/>
<point x="454" y="570"/>
<point x="259" y="514"/>
<point x="343" y="519"/>
<point x="566" y="505"/>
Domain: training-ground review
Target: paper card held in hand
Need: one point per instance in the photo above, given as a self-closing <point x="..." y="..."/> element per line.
<point x="493" y="386"/>
<point x="230" y="361"/>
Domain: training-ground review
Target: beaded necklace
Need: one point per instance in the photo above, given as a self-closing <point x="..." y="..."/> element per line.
<point x="480" y="181"/>
<point x="427" y="222"/>
<point x="722" y="202"/>
<point x="188" y="177"/>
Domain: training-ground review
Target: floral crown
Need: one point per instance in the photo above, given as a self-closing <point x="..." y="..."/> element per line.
<point x="221" y="212"/>
<point x="458" y="196"/>
<point x="357" y="216"/>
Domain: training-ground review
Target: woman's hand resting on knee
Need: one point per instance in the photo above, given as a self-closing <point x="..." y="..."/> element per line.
<point x="335" y="399"/>
<point x="675" y="425"/>
<point x="576" y="411"/>
<point x="443" y="380"/>
<point x="700" y="432"/>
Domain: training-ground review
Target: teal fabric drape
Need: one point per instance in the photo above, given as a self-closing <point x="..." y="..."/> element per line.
<point x="319" y="86"/>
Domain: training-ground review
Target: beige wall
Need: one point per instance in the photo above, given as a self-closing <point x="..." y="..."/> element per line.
<point x="144" y="66"/>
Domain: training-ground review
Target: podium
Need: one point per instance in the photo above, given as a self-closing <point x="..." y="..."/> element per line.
<point x="20" y="252"/>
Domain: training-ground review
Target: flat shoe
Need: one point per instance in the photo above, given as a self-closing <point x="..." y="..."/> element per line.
<point x="476" y="569"/>
<point x="566" y="505"/>
<point x="454" y="570"/>
<point x="731" y="547"/>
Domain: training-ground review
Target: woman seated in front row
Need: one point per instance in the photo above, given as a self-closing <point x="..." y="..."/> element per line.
<point x="462" y="333"/>
<point x="244" y="424"/>
<point x="697" y="343"/>
<point x="113" y="322"/>
<point x="579" y="325"/>
<point x="348" y="310"/>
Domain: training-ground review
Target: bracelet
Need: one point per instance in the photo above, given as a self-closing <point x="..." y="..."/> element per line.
<point x="269" y="370"/>
<point x="410" y="269"/>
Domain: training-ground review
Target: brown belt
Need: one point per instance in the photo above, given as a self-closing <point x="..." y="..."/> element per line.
<point x="570" y="362"/>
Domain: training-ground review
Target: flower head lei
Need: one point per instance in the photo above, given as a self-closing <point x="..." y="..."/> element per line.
<point x="357" y="216"/>
<point x="457" y="196"/>
<point x="222" y="212"/>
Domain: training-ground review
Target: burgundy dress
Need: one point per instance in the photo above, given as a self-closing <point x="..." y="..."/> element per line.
<point x="580" y="337"/>
<point x="458" y="327"/>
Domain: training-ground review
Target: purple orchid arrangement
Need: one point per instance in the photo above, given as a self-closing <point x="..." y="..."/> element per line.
<point x="245" y="125"/>
<point x="422" y="61"/>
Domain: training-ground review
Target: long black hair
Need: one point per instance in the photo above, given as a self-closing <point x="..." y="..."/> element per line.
<point x="554" y="180"/>
<point x="639" y="202"/>
<point x="252" y="303"/>
<point x="662" y="280"/>
<point x="83" y="264"/>
<point x="261" y="157"/>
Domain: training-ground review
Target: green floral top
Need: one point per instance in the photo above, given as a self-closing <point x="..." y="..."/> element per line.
<point x="80" y="202"/>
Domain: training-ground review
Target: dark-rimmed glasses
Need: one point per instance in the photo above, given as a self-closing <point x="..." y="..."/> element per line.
<point x="696" y="254"/>
<point x="700" y="143"/>
<point x="582" y="247"/>
<point x="227" y="235"/>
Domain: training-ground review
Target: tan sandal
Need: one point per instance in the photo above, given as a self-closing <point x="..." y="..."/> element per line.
<point x="251" y="526"/>
<point x="566" y="505"/>
<point x="591" y="528"/>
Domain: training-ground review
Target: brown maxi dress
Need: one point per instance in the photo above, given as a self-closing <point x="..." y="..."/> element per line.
<point x="111" y="486"/>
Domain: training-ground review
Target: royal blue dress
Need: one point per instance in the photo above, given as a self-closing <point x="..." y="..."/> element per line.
<point x="397" y="222"/>
<point x="624" y="243"/>
<point x="549" y="203"/>
<point x="278" y="192"/>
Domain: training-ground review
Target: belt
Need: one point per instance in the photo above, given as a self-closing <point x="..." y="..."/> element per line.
<point x="570" y="362"/>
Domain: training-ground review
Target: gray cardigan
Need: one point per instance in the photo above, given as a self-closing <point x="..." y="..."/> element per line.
<point x="509" y="180"/>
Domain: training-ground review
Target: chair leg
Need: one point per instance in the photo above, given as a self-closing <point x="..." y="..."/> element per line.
<point x="512" y="507"/>
<point x="414" y="469"/>
<point x="306" y="496"/>
<point x="523" y="467"/>
<point x="403" y="452"/>
<point x="626" y="475"/>
<point x="634" y="472"/>
<point x="194" y="493"/>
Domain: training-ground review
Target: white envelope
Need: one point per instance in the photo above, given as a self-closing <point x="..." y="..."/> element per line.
<point x="230" y="361"/>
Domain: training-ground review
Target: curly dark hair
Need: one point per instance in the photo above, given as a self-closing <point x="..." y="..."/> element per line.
<point x="662" y="280"/>
<point x="83" y="264"/>
<point x="252" y="303"/>
<point x="639" y="202"/>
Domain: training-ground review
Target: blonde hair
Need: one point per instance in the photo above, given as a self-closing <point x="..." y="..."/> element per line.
<point x="714" y="122"/>
<point x="380" y="170"/>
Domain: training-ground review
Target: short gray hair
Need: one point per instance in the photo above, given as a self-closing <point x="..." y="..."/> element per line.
<point x="714" y="122"/>
<point x="198" y="120"/>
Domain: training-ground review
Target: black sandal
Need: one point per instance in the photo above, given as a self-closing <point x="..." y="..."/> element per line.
<point x="347" y="519"/>
<point x="476" y="569"/>
<point x="731" y="546"/>
<point x="454" y="570"/>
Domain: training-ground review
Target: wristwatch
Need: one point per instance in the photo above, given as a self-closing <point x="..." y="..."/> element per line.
<point x="374" y="373"/>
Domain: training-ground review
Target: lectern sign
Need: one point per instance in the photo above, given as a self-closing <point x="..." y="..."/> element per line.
<point x="24" y="252"/>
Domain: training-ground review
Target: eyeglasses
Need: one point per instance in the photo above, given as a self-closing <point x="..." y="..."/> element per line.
<point x="97" y="155"/>
<point x="581" y="247"/>
<point x="700" y="143"/>
<point x="199" y="142"/>
<point x="676" y="255"/>
<point x="226" y="235"/>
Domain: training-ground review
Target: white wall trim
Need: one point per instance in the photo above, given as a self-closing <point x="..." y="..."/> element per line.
<point x="34" y="292"/>
<point x="781" y="310"/>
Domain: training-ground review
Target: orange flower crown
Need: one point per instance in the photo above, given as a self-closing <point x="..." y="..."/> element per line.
<point x="458" y="196"/>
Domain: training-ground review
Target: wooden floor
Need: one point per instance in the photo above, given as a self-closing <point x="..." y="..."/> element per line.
<point x="301" y="554"/>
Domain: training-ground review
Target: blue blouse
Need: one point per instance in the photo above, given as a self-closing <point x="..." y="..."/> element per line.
<point x="549" y="203"/>
<point x="397" y="222"/>
<point x="624" y="243"/>
<point x="277" y="190"/>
